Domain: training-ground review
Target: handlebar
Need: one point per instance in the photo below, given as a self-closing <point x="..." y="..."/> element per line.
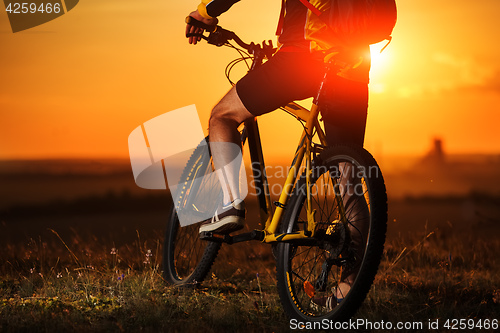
<point x="219" y="37"/>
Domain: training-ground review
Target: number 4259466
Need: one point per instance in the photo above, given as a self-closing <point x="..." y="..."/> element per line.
<point x="31" y="7"/>
<point x="464" y="324"/>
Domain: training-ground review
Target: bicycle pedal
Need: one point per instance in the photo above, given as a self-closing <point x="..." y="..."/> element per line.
<point x="210" y="236"/>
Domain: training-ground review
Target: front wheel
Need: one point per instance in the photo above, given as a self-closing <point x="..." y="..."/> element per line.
<point x="330" y="277"/>
<point x="186" y="258"/>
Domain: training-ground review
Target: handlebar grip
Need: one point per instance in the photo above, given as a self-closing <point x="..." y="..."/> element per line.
<point x="192" y="21"/>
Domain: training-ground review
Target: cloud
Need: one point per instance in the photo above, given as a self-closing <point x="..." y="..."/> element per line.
<point x="449" y="74"/>
<point x="471" y="74"/>
<point x="491" y="84"/>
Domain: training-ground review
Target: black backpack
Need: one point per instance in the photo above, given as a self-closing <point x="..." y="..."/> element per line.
<point x="357" y="22"/>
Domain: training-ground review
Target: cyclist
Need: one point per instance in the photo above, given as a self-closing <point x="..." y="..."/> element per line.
<point x="293" y="73"/>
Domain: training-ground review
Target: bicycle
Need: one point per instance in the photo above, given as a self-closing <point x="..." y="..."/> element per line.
<point x="328" y="226"/>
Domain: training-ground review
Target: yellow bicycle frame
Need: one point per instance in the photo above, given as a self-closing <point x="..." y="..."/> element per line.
<point x="272" y="221"/>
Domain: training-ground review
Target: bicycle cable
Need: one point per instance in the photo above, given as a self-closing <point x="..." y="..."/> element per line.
<point x="244" y="57"/>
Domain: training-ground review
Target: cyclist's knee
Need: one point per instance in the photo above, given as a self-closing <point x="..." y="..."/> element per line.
<point x="229" y="111"/>
<point x="224" y="115"/>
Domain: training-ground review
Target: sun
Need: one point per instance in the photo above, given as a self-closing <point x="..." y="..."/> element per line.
<point x="379" y="65"/>
<point x="379" y="59"/>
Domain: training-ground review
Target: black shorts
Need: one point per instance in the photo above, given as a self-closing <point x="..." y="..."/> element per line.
<point x="291" y="76"/>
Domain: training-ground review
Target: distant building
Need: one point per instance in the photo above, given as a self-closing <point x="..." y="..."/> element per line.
<point x="435" y="156"/>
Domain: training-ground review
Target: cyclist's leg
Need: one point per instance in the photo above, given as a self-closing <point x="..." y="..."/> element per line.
<point x="345" y="114"/>
<point x="344" y="111"/>
<point x="357" y="213"/>
<point x="284" y="78"/>
<point x="225" y="143"/>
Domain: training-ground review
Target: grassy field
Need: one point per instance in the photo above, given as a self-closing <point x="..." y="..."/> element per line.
<point x="75" y="277"/>
<point x="81" y="251"/>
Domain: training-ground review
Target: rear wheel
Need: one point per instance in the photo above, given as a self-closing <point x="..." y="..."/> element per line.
<point x="187" y="259"/>
<point x="330" y="277"/>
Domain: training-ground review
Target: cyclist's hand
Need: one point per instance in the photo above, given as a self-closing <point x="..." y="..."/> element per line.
<point x="196" y="30"/>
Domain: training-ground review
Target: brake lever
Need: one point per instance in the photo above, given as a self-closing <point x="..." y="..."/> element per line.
<point x="202" y="36"/>
<point x="220" y="37"/>
<point x="268" y="48"/>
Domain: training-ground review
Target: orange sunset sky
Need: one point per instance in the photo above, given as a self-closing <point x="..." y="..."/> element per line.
<point x="78" y="85"/>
